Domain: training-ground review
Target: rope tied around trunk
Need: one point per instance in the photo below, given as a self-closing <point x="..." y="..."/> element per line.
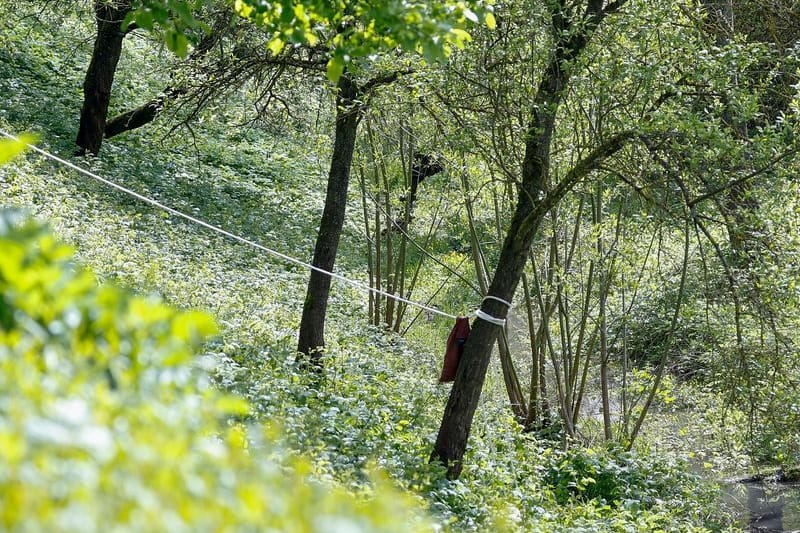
<point x="489" y="318"/>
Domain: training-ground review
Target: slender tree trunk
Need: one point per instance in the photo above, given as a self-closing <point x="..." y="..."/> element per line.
<point x="515" y="397"/>
<point x="534" y="201"/>
<point x="603" y="326"/>
<point x="368" y="239"/>
<point x="533" y="420"/>
<point x="388" y="313"/>
<point x="311" y="340"/>
<point x="400" y="265"/>
<point x="100" y="74"/>
<point x="378" y="299"/>
<point x="665" y="350"/>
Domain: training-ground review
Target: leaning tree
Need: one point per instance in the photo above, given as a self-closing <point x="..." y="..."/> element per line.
<point x="572" y="24"/>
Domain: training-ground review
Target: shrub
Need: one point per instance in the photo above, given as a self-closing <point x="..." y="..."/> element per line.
<point x="617" y="478"/>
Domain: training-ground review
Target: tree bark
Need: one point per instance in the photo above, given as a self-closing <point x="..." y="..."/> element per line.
<point x="311" y="341"/>
<point x="100" y="74"/>
<point x="533" y="203"/>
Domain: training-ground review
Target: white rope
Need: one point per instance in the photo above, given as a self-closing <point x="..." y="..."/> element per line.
<point x="194" y="220"/>
<point x="495" y="298"/>
<point x="489" y="318"/>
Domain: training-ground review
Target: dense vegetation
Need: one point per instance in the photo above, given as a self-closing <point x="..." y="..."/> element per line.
<point x="650" y="350"/>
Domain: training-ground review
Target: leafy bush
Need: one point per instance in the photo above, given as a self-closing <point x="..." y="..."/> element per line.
<point x="108" y="421"/>
<point x="617" y="478"/>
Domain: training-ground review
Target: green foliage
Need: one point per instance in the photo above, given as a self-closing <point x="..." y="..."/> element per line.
<point x="178" y="19"/>
<point x="347" y="30"/>
<point x="107" y="419"/>
<point x="616" y="478"/>
<point x="377" y="402"/>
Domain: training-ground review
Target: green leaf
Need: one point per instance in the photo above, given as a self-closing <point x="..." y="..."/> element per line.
<point x="10" y="148"/>
<point x="276" y="45"/>
<point x="335" y="68"/>
<point x="491" y="23"/>
<point x="177" y="43"/>
<point x="145" y="20"/>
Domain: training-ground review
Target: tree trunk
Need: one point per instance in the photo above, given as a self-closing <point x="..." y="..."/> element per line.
<point x="100" y="74"/>
<point x="453" y="434"/>
<point x="603" y="322"/>
<point x="533" y="203"/>
<point x="534" y="408"/>
<point x="311" y="340"/>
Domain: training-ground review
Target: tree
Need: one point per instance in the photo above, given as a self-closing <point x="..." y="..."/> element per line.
<point x="114" y="22"/>
<point x="349" y="110"/>
<point x="572" y="26"/>
<point x="679" y="171"/>
<point x="357" y="42"/>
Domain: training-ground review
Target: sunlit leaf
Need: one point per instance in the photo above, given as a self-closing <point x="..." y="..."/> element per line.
<point x="10" y="148"/>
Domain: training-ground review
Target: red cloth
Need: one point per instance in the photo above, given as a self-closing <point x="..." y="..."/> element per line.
<point x="455" y="347"/>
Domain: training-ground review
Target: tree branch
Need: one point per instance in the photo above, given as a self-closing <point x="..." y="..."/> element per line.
<point x="581" y="169"/>
<point x="384" y="79"/>
<point x="744" y="179"/>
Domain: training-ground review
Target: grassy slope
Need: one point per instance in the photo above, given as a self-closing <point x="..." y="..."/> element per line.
<point x="378" y="403"/>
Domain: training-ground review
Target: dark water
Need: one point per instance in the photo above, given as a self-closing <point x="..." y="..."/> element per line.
<point x="765" y="507"/>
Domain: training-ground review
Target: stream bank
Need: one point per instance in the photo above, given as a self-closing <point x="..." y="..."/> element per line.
<point x="764" y="506"/>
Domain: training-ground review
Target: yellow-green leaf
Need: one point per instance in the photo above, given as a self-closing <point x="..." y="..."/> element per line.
<point x="275" y="46"/>
<point x="10" y="148"/>
<point x="189" y="324"/>
<point x="335" y="68"/>
<point x="491" y="23"/>
<point x="233" y="405"/>
<point x="243" y="8"/>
